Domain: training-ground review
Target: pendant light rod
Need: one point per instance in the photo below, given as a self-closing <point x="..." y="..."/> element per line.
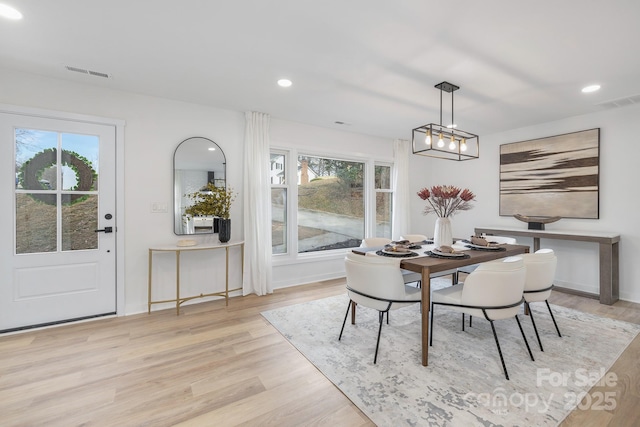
<point x="440" y="105"/>
<point x="449" y="88"/>
<point x="452" y="122"/>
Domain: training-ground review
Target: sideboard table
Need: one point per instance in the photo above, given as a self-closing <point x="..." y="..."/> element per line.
<point x="178" y="250"/>
<point x="608" y="248"/>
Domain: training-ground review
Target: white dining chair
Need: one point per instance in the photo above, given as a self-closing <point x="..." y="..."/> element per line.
<point x="376" y="282"/>
<point x="541" y="270"/>
<point x="374" y="242"/>
<point x="492" y="291"/>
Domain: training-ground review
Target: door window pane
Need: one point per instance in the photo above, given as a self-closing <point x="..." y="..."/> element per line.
<point x="330" y="203"/>
<point x="79" y="162"/>
<point x="36" y="159"/>
<point x="79" y="222"/>
<point x="35" y="225"/>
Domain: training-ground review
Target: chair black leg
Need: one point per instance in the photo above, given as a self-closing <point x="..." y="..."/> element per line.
<point x="345" y="319"/>
<point x="431" y="327"/>
<point x="387" y="317"/>
<point x="553" y="318"/>
<point x="525" y="339"/>
<point x="534" y="324"/>
<point x="504" y="367"/>
<point x="380" y="317"/>
<point x="462" y="322"/>
<point x="470" y="321"/>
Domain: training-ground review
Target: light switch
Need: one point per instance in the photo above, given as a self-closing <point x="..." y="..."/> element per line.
<point x="158" y="207"/>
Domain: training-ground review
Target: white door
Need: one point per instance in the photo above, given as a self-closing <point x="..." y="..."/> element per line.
<point x="57" y="221"/>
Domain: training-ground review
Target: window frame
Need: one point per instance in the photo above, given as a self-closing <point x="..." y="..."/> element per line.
<point x="291" y="256"/>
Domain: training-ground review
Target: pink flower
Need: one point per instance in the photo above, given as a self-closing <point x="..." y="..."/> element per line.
<point x="467" y="195"/>
<point x="446" y="200"/>
<point x="424" y="193"/>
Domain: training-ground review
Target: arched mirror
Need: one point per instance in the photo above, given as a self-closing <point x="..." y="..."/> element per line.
<point x="197" y="163"/>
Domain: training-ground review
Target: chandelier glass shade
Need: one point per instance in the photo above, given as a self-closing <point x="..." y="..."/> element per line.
<point x="445" y="142"/>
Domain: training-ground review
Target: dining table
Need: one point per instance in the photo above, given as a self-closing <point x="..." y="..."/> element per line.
<point x="427" y="265"/>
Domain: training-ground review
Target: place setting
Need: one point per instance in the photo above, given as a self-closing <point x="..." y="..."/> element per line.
<point x="411" y="245"/>
<point x="482" y="244"/>
<point x="398" y="251"/>
<point x="445" y="251"/>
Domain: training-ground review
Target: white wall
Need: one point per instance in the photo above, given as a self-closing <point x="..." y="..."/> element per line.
<point x="619" y="202"/>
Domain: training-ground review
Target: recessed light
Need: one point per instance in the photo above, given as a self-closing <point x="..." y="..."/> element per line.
<point x="284" y="82"/>
<point x="590" y="89"/>
<point x="452" y="126"/>
<point x="211" y="149"/>
<point x="9" y="12"/>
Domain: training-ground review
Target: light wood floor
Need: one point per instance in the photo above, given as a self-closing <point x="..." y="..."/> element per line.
<point x="214" y="365"/>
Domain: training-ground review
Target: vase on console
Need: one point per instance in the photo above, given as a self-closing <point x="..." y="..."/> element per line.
<point x="442" y="235"/>
<point x="224" y="230"/>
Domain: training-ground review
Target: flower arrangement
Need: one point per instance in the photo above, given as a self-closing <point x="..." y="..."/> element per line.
<point x="211" y="200"/>
<point x="446" y="200"/>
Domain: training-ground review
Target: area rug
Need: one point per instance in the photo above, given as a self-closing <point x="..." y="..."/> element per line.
<point x="464" y="384"/>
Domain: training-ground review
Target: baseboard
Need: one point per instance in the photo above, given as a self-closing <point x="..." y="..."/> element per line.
<point x="576" y="292"/>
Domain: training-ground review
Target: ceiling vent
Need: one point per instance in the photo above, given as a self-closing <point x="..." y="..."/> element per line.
<point x="622" y="102"/>
<point x="89" y="72"/>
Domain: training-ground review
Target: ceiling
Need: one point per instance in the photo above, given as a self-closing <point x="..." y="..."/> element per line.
<point x="371" y="64"/>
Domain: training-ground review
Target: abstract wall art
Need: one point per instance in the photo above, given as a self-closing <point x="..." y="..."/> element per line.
<point x="552" y="176"/>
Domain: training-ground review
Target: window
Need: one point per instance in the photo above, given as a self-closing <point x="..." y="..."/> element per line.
<point x="384" y="200"/>
<point x="278" y="203"/>
<point x="321" y="203"/>
<point x="56" y="191"/>
<point x="331" y="203"/>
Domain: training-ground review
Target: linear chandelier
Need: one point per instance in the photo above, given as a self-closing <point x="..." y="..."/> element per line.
<point x="445" y="142"/>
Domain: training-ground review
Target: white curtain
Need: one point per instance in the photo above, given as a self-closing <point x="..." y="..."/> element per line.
<point x="401" y="202"/>
<point x="257" y="206"/>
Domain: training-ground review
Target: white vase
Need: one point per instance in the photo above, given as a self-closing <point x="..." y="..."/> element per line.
<point x="442" y="234"/>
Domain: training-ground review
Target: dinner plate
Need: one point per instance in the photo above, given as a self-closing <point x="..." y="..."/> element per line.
<point x="484" y="248"/>
<point x="451" y="255"/>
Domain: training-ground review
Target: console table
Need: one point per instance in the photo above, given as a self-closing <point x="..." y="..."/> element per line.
<point x="178" y="250"/>
<point x="608" y="248"/>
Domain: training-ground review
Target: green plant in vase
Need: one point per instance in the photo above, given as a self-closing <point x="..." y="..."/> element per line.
<point x="213" y="201"/>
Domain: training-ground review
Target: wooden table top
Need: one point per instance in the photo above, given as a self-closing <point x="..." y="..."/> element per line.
<point x="475" y="257"/>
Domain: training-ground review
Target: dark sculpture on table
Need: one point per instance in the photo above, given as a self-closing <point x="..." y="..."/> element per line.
<point x="537" y="222"/>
